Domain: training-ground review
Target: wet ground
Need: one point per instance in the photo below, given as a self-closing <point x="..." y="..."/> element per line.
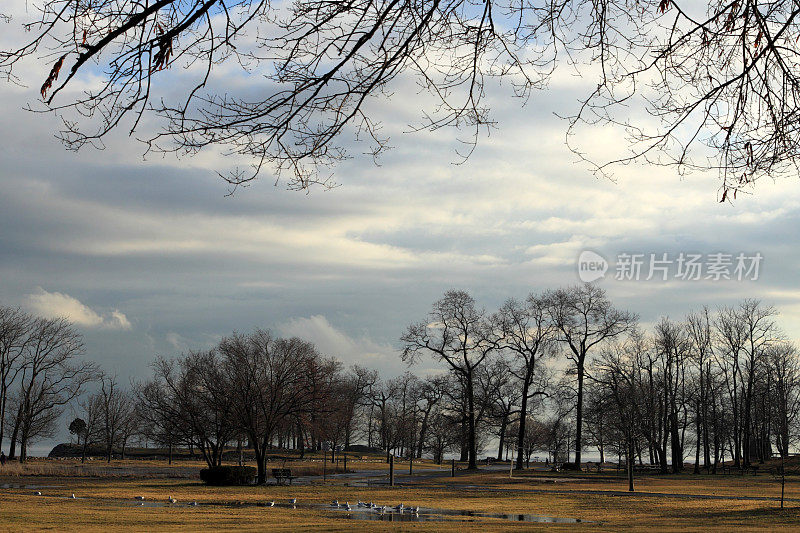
<point x="380" y="513"/>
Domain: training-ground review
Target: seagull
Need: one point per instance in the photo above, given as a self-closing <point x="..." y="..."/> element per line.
<point x="193" y="504"/>
<point x="347" y="506"/>
<point x="73" y="496"/>
<point x="172" y="500"/>
<point x="416" y="509"/>
<point x="293" y="501"/>
<point x="271" y="504"/>
<point x="400" y="507"/>
<point x="37" y="493"/>
<point x="335" y="503"/>
<point x="140" y="498"/>
<point x="141" y="503"/>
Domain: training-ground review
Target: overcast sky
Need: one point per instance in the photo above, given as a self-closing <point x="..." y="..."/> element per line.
<point x="151" y="257"/>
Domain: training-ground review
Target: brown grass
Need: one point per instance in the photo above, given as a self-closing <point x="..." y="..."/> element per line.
<point x="103" y="504"/>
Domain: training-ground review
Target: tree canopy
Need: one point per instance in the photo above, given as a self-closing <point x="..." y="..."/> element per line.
<point x="716" y="81"/>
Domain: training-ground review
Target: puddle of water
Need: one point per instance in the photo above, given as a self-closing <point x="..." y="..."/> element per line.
<point x="441" y="515"/>
<point x="389" y="514"/>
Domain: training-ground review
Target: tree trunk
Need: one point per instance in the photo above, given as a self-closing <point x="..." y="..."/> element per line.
<point x="579" y="413"/>
<point x="697" y="444"/>
<point x="422" y="432"/>
<point x="473" y="451"/>
<point x="502" y="438"/>
<point x="523" y="415"/>
<point x="630" y="464"/>
<point x="12" y="451"/>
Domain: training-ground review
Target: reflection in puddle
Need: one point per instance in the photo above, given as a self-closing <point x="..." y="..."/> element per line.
<point x="440" y="515"/>
<point x="388" y="515"/>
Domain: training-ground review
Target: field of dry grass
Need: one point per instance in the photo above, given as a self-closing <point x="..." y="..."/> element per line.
<point x="106" y="503"/>
<point x="312" y="465"/>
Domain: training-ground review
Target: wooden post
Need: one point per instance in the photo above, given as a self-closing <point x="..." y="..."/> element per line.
<point x="391" y="470"/>
<point x="783" y="479"/>
<point x="511" y="464"/>
<point x="629" y="458"/>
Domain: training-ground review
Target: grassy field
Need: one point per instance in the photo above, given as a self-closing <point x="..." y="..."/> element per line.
<point x="107" y="502"/>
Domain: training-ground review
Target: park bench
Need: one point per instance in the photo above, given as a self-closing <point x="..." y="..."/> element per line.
<point x="282" y="474"/>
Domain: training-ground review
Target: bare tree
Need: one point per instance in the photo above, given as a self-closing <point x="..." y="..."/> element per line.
<point x="528" y="334"/>
<point x="52" y="376"/>
<point x="759" y="326"/>
<point x="188" y="401"/>
<point x="585" y="318"/>
<point x="354" y="393"/>
<point x="702" y="344"/>
<point x="431" y="392"/>
<point x="116" y="414"/>
<point x="673" y="345"/>
<point x="457" y="334"/>
<point x="732" y="339"/>
<point x="267" y="379"/>
<point x="15" y="329"/>
<point x="720" y="78"/>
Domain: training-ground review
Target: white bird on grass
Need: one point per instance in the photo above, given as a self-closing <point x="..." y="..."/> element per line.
<point x="140" y="498"/>
<point x="271" y="504"/>
<point x="400" y="507"/>
<point x="193" y="504"/>
<point x="37" y="493"/>
<point x="73" y="496"/>
<point x="293" y="501"/>
<point x="335" y="503"/>
<point x="347" y="506"/>
<point x="172" y="500"/>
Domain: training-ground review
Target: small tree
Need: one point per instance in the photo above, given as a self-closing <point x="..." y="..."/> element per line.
<point x="78" y="428"/>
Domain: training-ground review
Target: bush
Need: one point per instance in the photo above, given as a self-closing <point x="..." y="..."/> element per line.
<point x="571" y="467"/>
<point x="229" y="475"/>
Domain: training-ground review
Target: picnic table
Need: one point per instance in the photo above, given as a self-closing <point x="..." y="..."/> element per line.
<point x="282" y="474"/>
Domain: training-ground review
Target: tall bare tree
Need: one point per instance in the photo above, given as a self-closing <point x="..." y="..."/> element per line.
<point x="15" y="329"/>
<point x="267" y="379"/>
<point x="457" y="334"/>
<point x="584" y="318"/>
<point x="52" y="376"/>
<point x="528" y="334"/>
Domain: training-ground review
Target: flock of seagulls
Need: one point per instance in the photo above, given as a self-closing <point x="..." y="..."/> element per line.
<point x="400" y="508"/>
<point x="293" y="501"/>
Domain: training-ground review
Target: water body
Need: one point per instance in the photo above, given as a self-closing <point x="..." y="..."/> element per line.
<point x="390" y="515"/>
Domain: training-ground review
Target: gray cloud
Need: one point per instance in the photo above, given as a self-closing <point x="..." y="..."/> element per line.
<point x="349" y="268"/>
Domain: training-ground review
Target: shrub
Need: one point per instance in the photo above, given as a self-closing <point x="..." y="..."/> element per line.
<point x="571" y="467"/>
<point x="229" y="475"/>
